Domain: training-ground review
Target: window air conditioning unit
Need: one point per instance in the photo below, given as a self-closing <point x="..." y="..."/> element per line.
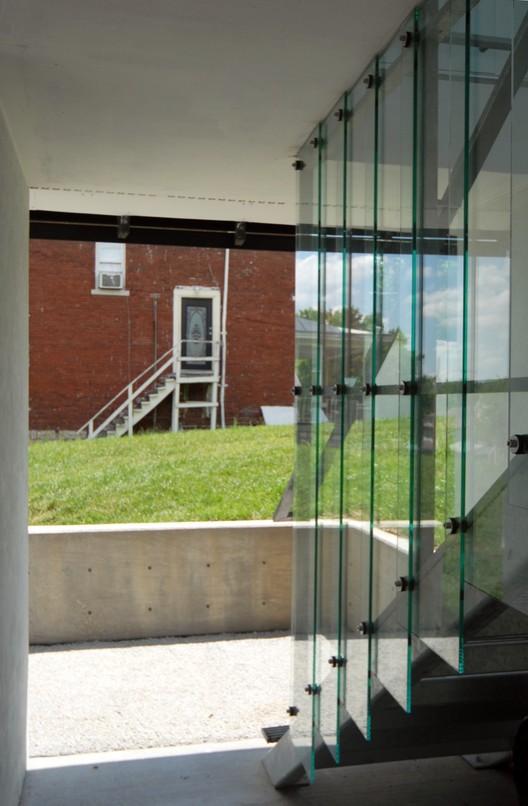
<point x="111" y="280"/>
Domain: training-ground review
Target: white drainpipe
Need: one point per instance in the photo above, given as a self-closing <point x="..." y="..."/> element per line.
<point x="224" y="340"/>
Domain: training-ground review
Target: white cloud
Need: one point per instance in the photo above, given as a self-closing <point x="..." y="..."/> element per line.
<point x="488" y="318"/>
<point x="307" y="281"/>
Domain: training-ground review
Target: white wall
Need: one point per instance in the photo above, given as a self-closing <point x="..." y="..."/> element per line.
<point x="13" y="470"/>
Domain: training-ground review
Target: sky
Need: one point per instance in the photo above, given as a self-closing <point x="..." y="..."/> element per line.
<point x="488" y="307"/>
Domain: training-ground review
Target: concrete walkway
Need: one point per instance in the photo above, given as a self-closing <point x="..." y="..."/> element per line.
<point x="231" y="774"/>
<point x="208" y="697"/>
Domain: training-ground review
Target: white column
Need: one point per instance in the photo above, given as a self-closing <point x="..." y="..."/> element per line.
<point x="14" y="206"/>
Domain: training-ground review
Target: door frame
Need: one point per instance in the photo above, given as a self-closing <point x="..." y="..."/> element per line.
<point x="197" y="292"/>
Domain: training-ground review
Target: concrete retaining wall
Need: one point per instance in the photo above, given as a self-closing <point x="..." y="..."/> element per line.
<point x="148" y="580"/>
<point x="127" y="581"/>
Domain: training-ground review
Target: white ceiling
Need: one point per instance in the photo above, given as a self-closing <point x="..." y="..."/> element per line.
<point x="177" y="108"/>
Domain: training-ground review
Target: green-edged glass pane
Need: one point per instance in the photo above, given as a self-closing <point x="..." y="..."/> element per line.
<point x="441" y="407"/>
<point x="302" y="657"/>
<point x="496" y="611"/>
<point x="358" y="422"/>
<point x="305" y="559"/>
<point x="489" y="218"/>
<point x="515" y="528"/>
<point x="393" y="370"/>
<point x="331" y="306"/>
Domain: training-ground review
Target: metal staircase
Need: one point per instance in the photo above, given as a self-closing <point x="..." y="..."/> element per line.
<point x="166" y="376"/>
<point x="476" y="712"/>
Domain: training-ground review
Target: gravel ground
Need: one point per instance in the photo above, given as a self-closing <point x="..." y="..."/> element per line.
<point x="98" y="697"/>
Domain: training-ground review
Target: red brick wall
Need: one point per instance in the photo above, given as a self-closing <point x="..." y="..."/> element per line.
<point x="84" y="348"/>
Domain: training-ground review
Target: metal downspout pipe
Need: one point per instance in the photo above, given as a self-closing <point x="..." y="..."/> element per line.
<point x="224" y="340"/>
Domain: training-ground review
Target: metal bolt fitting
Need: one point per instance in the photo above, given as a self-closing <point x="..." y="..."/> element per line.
<point x="337" y="663"/>
<point x="518" y="443"/>
<point x="404" y="584"/>
<point x="455" y="525"/>
<point x="407" y="388"/>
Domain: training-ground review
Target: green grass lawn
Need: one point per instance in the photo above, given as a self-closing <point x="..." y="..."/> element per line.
<point x="233" y="474"/>
<point x="393" y="475"/>
<point x="238" y="473"/>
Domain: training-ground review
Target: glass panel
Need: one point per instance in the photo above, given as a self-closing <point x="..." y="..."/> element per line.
<point x="302" y="657"/>
<point x="495" y="638"/>
<point x="197" y="333"/>
<point x="394" y="371"/>
<point x="441" y="406"/>
<point x="357" y="409"/>
<point x="516" y="527"/>
<point x="412" y="371"/>
<point x="304" y="703"/>
<point x="329" y="658"/>
<point x="489" y="292"/>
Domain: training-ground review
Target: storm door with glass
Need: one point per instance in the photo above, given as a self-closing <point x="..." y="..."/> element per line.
<point x="196" y="333"/>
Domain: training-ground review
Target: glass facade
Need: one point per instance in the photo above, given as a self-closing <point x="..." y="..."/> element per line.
<point x="411" y="479"/>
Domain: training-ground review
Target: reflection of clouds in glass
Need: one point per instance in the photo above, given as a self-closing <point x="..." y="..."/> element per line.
<point x="362" y="267"/>
<point x="305" y="281"/>
<point x="334" y="281"/>
<point x="488" y="330"/>
<point x="445" y="306"/>
<point x="306" y="270"/>
<point x="488" y="312"/>
<point x="492" y="308"/>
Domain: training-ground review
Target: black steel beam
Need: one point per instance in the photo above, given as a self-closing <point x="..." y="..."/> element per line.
<point x="163" y="231"/>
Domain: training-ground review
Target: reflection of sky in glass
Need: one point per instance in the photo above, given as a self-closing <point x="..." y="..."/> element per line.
<point x="394" y="303"/>
<point x="488" y="329"/>
<point x="492" y="308"/>
<point x="306" y="281"/>
<point x="487" y="323"/>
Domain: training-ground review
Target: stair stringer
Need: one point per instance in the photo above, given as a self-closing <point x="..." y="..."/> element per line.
<point x="452" y="714"/>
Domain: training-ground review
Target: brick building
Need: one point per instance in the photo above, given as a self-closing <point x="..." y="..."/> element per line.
<point x="91" y="335"/>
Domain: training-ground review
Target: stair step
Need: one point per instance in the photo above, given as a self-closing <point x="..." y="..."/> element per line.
<point x="157" y="389"/>
<point x="273" y="735"/>
<point x="184" y="379"/>
<point x="196" y="404"/>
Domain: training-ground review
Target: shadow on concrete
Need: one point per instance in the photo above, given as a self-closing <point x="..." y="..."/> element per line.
<point x="231" y="774"/>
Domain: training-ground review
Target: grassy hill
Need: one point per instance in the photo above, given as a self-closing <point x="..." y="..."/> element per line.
<point x="233" y="474"/>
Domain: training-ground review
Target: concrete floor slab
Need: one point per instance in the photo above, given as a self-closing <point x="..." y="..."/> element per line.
<point x="231" y="774"/>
